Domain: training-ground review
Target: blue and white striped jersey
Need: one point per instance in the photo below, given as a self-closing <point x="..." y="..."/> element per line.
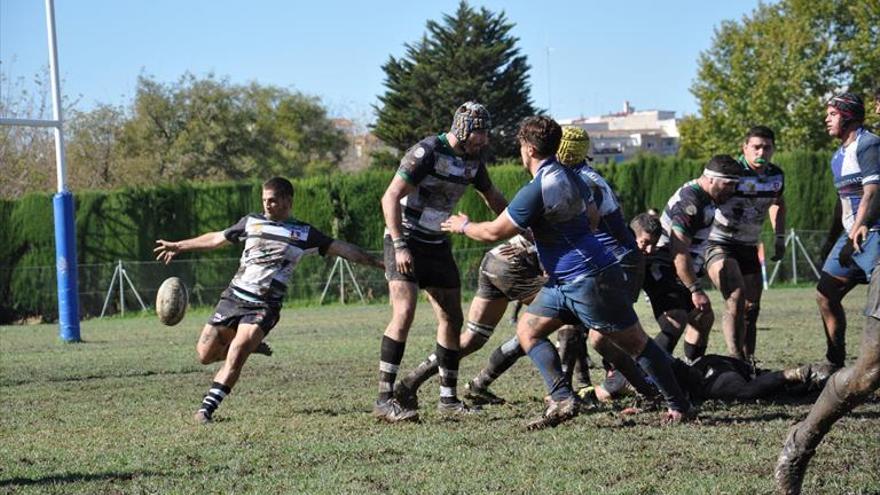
<point x="554" y="206"/>
<point x="854" y="166"/>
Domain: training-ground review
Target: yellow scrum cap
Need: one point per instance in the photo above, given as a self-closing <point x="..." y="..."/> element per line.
<point x="574" y="147"/>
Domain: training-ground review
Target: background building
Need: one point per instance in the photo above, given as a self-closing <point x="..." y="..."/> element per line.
<point x="619" y="136"/>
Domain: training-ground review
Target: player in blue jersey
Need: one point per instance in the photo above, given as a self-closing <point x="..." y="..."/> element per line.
<point x="432" y="177"/>
<point x="251" y="306"/>
<point x="585" y="285"/>
<point x="856" y="170"/>
<point x="855" y="163"/>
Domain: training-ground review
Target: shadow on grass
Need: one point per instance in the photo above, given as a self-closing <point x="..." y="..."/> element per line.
<point x="98" y="376"/>
<point x="77" y="477"/>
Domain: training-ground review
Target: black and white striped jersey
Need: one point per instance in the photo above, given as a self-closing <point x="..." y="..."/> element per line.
<point x="739" y="219"/>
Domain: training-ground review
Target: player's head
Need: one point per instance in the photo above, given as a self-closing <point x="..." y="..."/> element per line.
<point x="539" y="137"/>
<point x="277" y="198"/>
<point x="759" y="145"/>
<point x="647" y="232"/>
<point x="844" y="113"/>
<point x="720" y="177"/>
<point x="574" y="148"/>
<point x="470" y="126"/>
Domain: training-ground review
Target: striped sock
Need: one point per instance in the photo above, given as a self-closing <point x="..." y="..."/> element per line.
<point x="501" y="359"/>
<point x="390" y="356"/>
<point x="213" y="398"/>
<point x="447" y="359"/>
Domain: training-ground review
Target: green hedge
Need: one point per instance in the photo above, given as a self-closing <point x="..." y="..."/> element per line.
<point x="124" y="224"/>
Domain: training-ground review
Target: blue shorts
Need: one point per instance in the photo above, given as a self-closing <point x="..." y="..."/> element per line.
<point x="601" y="302"/>
<point x="863" y="262"/>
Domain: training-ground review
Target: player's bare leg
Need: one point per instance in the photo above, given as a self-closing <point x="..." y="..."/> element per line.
<point x="246" y="339"/>
<point x="727" y="277"/>
<point x="404" y="296"/>
<point x="845" y="389"/>
<point x="483" y="316"/>
<point x="447" y="309"/>
<point x="213" y="343"/>
<point x="830" y="292"/>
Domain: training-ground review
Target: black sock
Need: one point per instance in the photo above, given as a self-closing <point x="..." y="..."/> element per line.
<point x="658" y="365"/>
<point x="213" y="398"/>
<point x="693" y="352"/>
<point x="447" y="363"/>
<point x="501" y="359"/>
<point x="390" y="356"/>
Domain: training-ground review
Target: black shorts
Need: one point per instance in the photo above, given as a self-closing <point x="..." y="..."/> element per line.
<point x="745" y="256"/>
<point x="433" y="264"/>
<point x="500" y="279"/>
<point x="663" y="286"/>
<point x="232" y="311"/>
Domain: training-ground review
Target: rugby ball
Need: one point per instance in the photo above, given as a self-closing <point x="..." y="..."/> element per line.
<point x="171" y="300"/>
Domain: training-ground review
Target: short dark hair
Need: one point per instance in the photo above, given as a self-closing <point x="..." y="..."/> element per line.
<point x="541" y="132"/>
<point x="725" y="165"/>
<point x="645" y="222"/>
<point x="280" y="185"/>
<point x="761" y="131"/>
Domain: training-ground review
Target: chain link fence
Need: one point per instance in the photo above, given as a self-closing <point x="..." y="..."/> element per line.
<point x="207" y="277"/>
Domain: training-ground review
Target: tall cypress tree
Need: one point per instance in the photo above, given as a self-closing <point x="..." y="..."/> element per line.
<point x="470" y="56"/>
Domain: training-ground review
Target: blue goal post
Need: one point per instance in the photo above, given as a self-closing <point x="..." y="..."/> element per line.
<point x="65" y="228"/>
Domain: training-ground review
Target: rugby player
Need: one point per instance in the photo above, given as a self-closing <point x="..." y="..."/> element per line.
<point x="432" y="176"/>
<point x="856" y="170"/>
<point x="585" y="284"/>
<point x="732" y="252"/>
<point x="250" y="307"/>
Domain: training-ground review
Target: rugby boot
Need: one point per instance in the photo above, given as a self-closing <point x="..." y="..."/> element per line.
<point x="406" y="397"/>
<point x="792" y="462"/>
<point x="673" y="417"/>
<point x="392" y="412"/>
<point x="263" y="348"/>
<point x="455" y="409"/>
<point x="813" y="376"/>
<point x="479" y="395"/>
<point x="556" y="412"/>
<point x="202" y="417"/>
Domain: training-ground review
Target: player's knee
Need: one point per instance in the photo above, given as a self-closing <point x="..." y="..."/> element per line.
<point x="735" y="301"/>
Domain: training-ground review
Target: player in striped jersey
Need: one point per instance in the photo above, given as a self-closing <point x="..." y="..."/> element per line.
<point x="432" y="177"/>
<point x="251" y="306"/>
<point x="732" y="252"/>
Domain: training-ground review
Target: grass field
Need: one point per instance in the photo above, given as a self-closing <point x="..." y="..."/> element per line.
<point x="114" y="415"/>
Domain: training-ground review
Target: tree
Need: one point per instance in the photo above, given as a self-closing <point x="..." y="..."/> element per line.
<point x="470" y="56"/>
<point x="777" y="67"/>
<point x="211" y="129"/>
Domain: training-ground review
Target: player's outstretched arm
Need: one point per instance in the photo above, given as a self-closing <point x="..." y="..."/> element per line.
<point x="354" y="254"/>
<point x="167" y="250"/>
<point x="500" y="228"/>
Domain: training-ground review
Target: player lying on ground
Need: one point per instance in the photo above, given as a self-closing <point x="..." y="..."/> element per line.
<point x="251" y="306"/>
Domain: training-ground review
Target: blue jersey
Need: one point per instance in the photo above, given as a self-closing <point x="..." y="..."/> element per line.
<point x="854" y="166"/>
<point x="554" y="206"/>
<point x="613" y="232"/>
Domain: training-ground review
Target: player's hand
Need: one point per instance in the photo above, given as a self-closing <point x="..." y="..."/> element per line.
<point x="858" y="237"/>
<point x="404" y="260"/>
<point x="166" y="250"/>
<point x="846" y="254"/>
<point x="455" y="223"/>
<point x="778" y="249"/>
<point x="511" y="252"/>
<point x="701" y="301"/>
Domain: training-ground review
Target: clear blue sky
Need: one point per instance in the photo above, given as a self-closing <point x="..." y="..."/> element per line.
<point x="600" y="53"/>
